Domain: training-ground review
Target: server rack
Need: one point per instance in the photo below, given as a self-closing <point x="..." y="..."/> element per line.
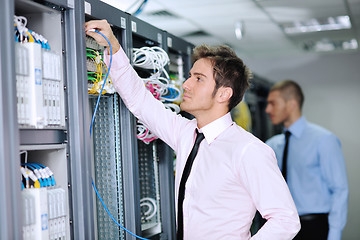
<point x="148" y="169"/>
<point x="154" y="159"/>
<point x="61" y="145"/>
<point x="144" y="34"/>
<point x="115" y="161"/>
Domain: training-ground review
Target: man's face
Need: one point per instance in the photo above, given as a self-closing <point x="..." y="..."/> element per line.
<point x="277" y="108"/>
<point x="198" y="88"/>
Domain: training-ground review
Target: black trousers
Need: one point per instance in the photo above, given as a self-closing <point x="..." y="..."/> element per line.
<point x="313" y="227"/>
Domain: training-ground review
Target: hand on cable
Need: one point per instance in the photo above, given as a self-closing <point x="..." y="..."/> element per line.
<point x="104" y="27"/>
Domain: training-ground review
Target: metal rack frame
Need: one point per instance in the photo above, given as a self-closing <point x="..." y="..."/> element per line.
<point x="10" y="214"/>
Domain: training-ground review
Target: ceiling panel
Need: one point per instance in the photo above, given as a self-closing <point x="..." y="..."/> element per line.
<point x="213" y="22"/>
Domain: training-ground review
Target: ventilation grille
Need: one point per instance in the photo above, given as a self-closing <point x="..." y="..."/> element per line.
<point x="199" y="33"/>
<point x="163" y="14"/>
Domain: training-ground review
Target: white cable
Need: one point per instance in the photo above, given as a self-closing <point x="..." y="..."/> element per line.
<point x="149" y="206"/>
<point x="26" y="155"/>
<point x="21" y="22"/>
<point x="154" y="205"/>
<point x="156" y="58"/>
<point x="141" y="130"/>
<point x="150" y="58"/>
<point x="26" y="176"/>
<point x="144" y="133"/>
<point x="172" y="106"/>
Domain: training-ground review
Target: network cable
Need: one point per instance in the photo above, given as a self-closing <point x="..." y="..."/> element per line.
<point x="155" y="58"/>
<point x="94" y="114"/>
<point x="106" y="77"/>
<point x="23" y="34"/>
<point x="48" y="171"/>
<point x="95" y="73"/>
<point x="107" y="210"/>
<point x="39" y="183"/>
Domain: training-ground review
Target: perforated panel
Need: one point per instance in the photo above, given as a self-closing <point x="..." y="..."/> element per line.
<point x="149" y="186"/>
<point x="108" y="173"/>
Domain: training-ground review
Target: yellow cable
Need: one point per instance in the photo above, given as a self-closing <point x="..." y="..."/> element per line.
<point x="31" y="39"/>
<point x="37" y="184"/>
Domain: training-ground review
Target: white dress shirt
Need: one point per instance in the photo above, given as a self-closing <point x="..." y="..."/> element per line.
<point x="233" y="175"/>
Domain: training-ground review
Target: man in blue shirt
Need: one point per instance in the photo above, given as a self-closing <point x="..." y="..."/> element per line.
<point x="312" y="163"/>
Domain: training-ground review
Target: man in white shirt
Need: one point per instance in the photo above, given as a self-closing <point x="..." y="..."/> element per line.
<point x="234" y="173"/>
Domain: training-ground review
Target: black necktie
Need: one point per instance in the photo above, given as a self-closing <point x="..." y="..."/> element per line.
<point x="284" y="164"/>
<point x="184" y="177"/>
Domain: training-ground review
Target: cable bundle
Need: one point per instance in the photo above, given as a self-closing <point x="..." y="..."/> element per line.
<point x="97" y="70"/>
<point x="155" y="58"/>
<point x="23" y="34"/>
<point x="150" y="58"/>
<point x="40" y="175"/>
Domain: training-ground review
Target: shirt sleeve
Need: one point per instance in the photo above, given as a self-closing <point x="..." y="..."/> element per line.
<point x="273" y="142"/>
<point x="263" y="180"/>
<point x="164" y="123"/>
<point x="334" y="172"/>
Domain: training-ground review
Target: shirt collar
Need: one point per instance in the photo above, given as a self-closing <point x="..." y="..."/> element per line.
<point x="215" y="128"/>
<point x="298" y="127"/>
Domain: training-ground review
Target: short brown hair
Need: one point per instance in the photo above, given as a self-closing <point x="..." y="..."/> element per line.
<point x="229" y="70"/>
<point x="290" y="89"/>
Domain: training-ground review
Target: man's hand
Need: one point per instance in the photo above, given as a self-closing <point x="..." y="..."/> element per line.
<point x="104" y="27"/>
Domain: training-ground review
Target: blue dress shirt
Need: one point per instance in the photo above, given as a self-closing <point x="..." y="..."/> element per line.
<point x="316" y="172"/>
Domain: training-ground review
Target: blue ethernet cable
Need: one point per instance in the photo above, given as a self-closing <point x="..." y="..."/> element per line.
<point x="44" y="181"/>
<point x="106" y="77"/>
<point x="30" y="165"/>
<point x="92" y="121"/>
<point x="51" y="178"/>
<point x="172" y="95"/>
<point x="139" y="10"/>
<point x="47" y="181"/>
<point x="107" y="210"/>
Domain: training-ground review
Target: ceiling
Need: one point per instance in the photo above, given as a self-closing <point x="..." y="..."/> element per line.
<point x="213" y="22"/>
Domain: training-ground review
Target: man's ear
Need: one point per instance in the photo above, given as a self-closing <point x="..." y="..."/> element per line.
<point x="224" y="94"/>
<point x="292" y="103"/>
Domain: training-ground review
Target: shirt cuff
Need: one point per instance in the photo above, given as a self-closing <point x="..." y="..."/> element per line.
<point x="334" y="234"/>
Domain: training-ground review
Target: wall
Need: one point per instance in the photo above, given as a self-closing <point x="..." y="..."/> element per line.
<point x="331" y="84"/>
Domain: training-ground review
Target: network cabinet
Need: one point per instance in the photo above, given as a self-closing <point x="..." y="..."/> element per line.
<point x="45" y="131"/>
<point x="136" y="169"/>
<point x="112" y="140"/>
<point x="155" y="158"/>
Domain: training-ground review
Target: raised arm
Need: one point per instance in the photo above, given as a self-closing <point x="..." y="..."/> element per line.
<point x="164" y="123"/>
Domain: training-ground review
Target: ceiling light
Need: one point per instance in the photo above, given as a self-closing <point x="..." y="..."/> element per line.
<point x="239" y="30"/>
<point x="327" y="45"/>
<point x="352" y="44"/>
<point x="317" y="25"/>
